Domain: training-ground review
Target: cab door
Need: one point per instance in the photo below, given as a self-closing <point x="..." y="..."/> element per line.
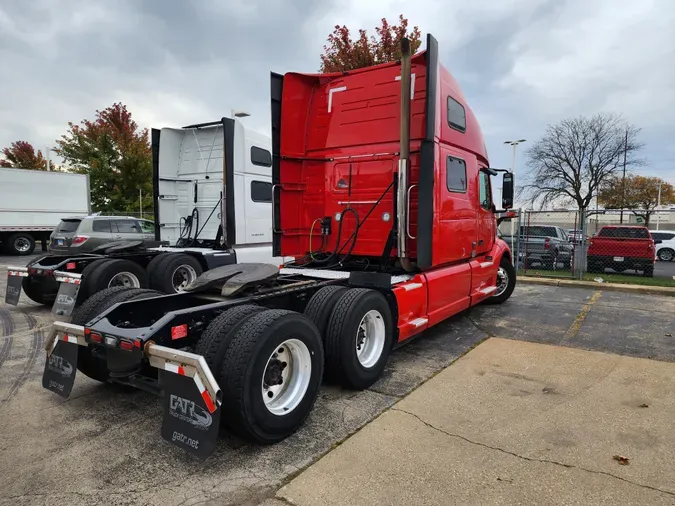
<point x="486" y="222"/>
<point x="483" y="267"/>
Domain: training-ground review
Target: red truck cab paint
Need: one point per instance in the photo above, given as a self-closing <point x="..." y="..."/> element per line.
<point x="621" y="248"/>
<point x="337" y="146"/>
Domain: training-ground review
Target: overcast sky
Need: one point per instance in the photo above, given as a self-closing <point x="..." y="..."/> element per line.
<point x="521" y="63"/>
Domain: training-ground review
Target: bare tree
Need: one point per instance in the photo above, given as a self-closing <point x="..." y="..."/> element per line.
<point x="573" y="159"/>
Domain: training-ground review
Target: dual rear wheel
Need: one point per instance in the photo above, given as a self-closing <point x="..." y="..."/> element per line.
<point x="269" y="363"/>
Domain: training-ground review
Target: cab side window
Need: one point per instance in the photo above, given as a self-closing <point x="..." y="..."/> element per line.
<point x="455" y="170"/>
<point x="485" y="194"/>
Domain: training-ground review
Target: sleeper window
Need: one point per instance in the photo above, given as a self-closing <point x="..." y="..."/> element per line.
<point x="456" y="115"/>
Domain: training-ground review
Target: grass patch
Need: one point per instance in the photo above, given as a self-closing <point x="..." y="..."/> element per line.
<point x="628" y="279"/>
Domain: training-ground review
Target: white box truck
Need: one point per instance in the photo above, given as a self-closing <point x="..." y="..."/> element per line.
<point x="32" y="203"/>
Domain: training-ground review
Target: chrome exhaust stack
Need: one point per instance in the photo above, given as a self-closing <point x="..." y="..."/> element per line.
<point x="404" y="157"/>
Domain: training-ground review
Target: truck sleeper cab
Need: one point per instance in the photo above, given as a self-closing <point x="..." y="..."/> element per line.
<point x="201" y="173"/>
<point x="381" y="194"/>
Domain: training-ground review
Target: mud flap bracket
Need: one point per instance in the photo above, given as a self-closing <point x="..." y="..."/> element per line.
<point x="192" y="399"/>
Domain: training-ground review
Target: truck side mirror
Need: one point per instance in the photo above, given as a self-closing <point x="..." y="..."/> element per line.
<point x="507" y="190"/>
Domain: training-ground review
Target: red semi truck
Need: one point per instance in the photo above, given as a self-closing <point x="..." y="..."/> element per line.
<point x="382" y="195"/>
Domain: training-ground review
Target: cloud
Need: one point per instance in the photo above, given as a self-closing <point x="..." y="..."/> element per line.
<point x="521" y="63"/>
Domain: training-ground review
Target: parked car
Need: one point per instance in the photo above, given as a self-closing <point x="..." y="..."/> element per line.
<point x="575" y="235"/>
<point x="665" y="249"/>
<point x="545" y="245"/>
<point x="621" y="248"/>
<point x="82" y="234"/>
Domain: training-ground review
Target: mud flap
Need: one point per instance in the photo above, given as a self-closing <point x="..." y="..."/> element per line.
<point x="191" y="420"/>
<point x="65" y="299"/>
<point x="67" y="295"/>
<point x="60" y="368"/>
<point x="13" y="290"/>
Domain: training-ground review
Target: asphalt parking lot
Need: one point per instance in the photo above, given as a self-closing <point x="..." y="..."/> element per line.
<point x="102" y="445"/>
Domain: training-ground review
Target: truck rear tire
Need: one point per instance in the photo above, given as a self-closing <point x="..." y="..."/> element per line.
<point x="40" y="289"/>
<point x="271" y="375"/>
<point x="152" y="265"/>
<point x="174" y="272"/>
<point x="594" y="266"/>
<point x="117" y="272"/>
<point x="648" y="271"/>
<point x="86" y="290"/>
<point x="89" y="365"/>
<point x="20" y="244"/>
<point x="359" y="338"/>
<point x="216" y="339"/>
<point x="320" y="306"/>
<point x="506" y="282"/>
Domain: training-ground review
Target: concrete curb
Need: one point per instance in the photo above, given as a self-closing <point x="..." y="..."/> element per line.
<point x="618" y="287"/>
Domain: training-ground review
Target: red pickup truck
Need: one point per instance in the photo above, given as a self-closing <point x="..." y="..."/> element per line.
<point x="622" y="248"/>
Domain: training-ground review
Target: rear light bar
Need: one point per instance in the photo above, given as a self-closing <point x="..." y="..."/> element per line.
<point x="112" y="341"/>
<point x="40" y="272"/>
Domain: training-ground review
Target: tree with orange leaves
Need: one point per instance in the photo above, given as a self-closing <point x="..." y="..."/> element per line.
<point x="342" y="53"/>
<point x="638" y="193"/>
<point x="22" y="155"/>
<point x="115" y="152"/>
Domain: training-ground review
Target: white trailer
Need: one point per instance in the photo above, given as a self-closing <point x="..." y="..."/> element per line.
<point x="32" y="203"/>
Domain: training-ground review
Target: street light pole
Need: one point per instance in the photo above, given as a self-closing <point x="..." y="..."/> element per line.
<point x="49" y="168"/>
<point x="513" y="171"/>
<point x="623" y="180"/>
<point x="513" y="162"/>
<point x="658" y="204"/>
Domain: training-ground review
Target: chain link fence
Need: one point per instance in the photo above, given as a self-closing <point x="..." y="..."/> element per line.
<point x="592" y="244"/>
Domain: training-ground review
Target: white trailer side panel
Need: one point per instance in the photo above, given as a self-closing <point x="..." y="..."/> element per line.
<point x="37" y="200"/>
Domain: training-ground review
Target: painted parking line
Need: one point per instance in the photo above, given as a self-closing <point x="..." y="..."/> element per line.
<point x="573" y="329"/>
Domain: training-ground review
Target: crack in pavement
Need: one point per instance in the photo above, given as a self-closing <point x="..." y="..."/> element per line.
<point x="479" y="327"/>
<point x="531" y="459"/>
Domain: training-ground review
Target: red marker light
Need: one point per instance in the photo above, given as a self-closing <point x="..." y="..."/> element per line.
<point x="138" y="343"/>
<point x="126" y="345"/>
<point x="96" y="338"/>
<point x="87" y="331"/>
<point x="71" y="266"/>
<point x="179" y="331"/>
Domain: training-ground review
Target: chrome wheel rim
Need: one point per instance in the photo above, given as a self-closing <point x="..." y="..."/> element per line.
<point x="126" y="279"/>
<point x="286" y="378"/>
<point x="21" y="244"/>
<point x="665" y="255"/>
<point x="182" y="277"/>
<point x="502" y="281"/>
<point x="370" y="338"/>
